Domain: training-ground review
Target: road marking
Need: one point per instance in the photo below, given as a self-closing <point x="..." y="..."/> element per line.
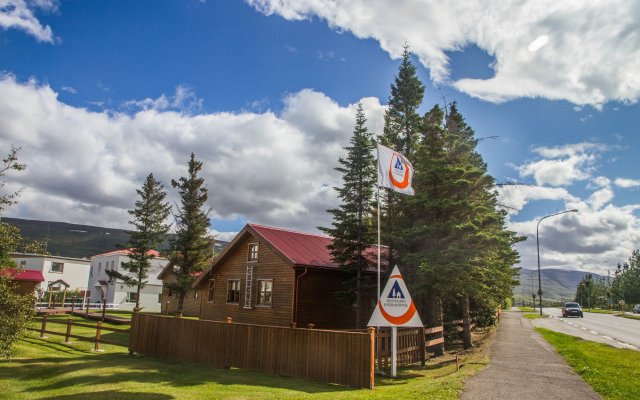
<point x="594" y="332"/>
<point x="607" y="337"/>
<point x="583" y="328"/>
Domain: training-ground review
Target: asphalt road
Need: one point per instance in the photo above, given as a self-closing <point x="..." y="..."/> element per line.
<point x="604" y="328"/>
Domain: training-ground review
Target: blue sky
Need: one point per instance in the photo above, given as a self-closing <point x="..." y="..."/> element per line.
<point x="99" y="94"/>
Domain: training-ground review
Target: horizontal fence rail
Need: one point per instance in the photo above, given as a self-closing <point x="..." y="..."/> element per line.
<point x="96" y="339"/>
<point x="346" y="358"/>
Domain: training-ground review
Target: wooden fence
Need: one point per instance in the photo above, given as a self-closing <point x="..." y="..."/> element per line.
<point x="96" y="339"/>
<point x="345" y="358"/>
<point x="413" y="345"/>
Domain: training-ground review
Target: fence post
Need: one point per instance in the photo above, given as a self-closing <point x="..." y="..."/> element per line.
<point x="310" y="326"/>
<point x="66" y="336"/>
<point x="457" y="363"/>
<point x="96" y="347"/>
<point x="423" y="348"/>
<point x="44" y="326"/>
<point x="229" y="320"/>
<point x="372" y="360"/>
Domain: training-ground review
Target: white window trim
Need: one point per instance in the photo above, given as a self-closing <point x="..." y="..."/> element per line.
<point x="257" y="244"/>
<point x="258" y="294"/>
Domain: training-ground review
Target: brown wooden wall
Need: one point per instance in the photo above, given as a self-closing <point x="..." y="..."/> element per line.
<point x="319" y="303"/>
<point x="169" y="304"/>
<point x="26" y="287"/>
<point x="327" y="356"/>
<point x="269" y="266"/>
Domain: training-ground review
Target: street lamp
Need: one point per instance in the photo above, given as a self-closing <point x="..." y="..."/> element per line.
<point x="538" y="249"/>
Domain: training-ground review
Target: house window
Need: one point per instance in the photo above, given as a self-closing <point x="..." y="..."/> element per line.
<point x="99" y="267"/>
<point x="265" y="289"/>
<point x="159" y="297"/>
<point x="195" y="294"/>
<point x="112" y="265"/>
<point x="211" y="291"/>
<point x="253" y="252"/>
<point x="233" y="291"/>
<point x="132" y="297"/>
<point x="57" y="267"/>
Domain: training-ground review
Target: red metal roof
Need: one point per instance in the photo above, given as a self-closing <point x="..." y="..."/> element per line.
<point x="125" y="252"/>
<point x="300" y="248"/>
<point x="26" y="275"/>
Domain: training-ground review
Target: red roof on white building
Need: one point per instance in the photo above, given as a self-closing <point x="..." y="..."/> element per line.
<point x="125" y="252"/>
<point x="26" y="275"/>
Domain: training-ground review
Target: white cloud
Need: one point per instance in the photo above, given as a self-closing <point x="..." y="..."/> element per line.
<point x="563" y="165"/>
<point x="583" y="52"/>
<point x="183" y="100"/>
<point x="517" y="197"/>
<point x="85" y="166"/>
<point x="69" y="89"/>
<point x="19" y="14"/>
<point x="627" y="183"/>
<point x="600" y="198"/>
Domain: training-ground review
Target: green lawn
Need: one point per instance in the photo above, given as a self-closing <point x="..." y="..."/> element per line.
<point x="526" y="309"/>
<point x="599" y="311"/>
<point x="51" y="369"/>
<point x="613" y="373"/>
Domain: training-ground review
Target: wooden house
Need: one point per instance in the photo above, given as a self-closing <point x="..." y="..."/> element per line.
<point x="169" y="298"/>
<point x="27" y="281"/>
<point x="274" y="276"/>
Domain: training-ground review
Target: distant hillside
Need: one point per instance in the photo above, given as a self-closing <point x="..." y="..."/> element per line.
<point x="556" y="283"/>
<point x="72" y="240"/>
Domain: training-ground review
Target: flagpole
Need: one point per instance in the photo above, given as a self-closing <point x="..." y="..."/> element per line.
<point x="378" y="199"/>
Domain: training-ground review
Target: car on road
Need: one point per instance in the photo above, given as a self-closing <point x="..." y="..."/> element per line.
<point x="572" y="310"/>
<point x="636" y="309"/>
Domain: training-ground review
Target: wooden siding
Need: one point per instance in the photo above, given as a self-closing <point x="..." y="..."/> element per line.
<point x="169" y="304"/>
<point x="270" y="265"/>
<point x="319" y="302"/>
<point x="26" y="287"/>
<point x="327" y="356"/>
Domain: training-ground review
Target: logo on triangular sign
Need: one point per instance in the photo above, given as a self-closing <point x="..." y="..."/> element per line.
<point x="395" y="307"/>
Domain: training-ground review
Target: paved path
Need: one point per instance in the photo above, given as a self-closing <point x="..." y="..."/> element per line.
<point x="524" y="366"/>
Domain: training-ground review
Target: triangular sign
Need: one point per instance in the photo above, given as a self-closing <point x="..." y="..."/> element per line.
<point x="395" y="307"/>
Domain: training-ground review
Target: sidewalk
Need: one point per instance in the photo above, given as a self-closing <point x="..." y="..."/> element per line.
<point x="524" y="366"/>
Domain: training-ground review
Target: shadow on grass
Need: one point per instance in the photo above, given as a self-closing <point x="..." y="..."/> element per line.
<point x="111" y="395"/>
<point x="116" y="369"/>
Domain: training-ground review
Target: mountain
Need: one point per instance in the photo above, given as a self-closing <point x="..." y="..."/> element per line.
<point x="78" y="241"/>
<point x="556" y="283"/>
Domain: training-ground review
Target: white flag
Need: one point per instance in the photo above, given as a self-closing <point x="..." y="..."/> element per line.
<point x="394" y="171"/>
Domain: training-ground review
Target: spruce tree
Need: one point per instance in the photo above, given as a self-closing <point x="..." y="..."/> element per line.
<point x="192" y="246"/>
<point x="402" y="125"/>
<point x="149" y="219"/>
<point x="351" y="229"/>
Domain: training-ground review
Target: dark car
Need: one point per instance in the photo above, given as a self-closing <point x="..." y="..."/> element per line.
<point x="572" y="310"/>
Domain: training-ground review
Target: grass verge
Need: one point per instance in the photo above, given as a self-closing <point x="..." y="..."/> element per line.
<point x="613" y="373"/>
<point x="534" y="316"/>
<point x="629" y="316"/>
<point x="526" y="309"/>
<point x="52" y="369"/>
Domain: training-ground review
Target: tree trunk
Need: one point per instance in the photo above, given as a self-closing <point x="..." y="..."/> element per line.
<point x="466" y="323"/>
<point x="358" y="299"/>
<point x="180" y="303"/>
<point x="434" y="317"/>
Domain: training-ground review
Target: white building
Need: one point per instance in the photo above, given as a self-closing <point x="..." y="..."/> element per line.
<point x="118" y="294"/>
<point x="73" y="271"/>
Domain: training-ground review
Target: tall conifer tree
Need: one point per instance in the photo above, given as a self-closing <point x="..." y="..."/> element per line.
<point x="402" y="124"/>
<point x="351" y="229"/>
<point x="192" y="246"/>
<point x="149" y="219"/>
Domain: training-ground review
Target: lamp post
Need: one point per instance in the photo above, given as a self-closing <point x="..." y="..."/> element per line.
<point x="538" y="249"/>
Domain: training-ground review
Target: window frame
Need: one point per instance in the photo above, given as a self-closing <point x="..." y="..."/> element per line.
<point x="252" y="256"/>
<point x="211" y="291"/>
<point x="128" y="299"/>
<point x="259" y="302"/>
<point x="57" y="263"/>
<point x="236" y="297"/>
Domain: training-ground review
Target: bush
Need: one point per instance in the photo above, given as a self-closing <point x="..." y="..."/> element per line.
<point x="15" y="312"/>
